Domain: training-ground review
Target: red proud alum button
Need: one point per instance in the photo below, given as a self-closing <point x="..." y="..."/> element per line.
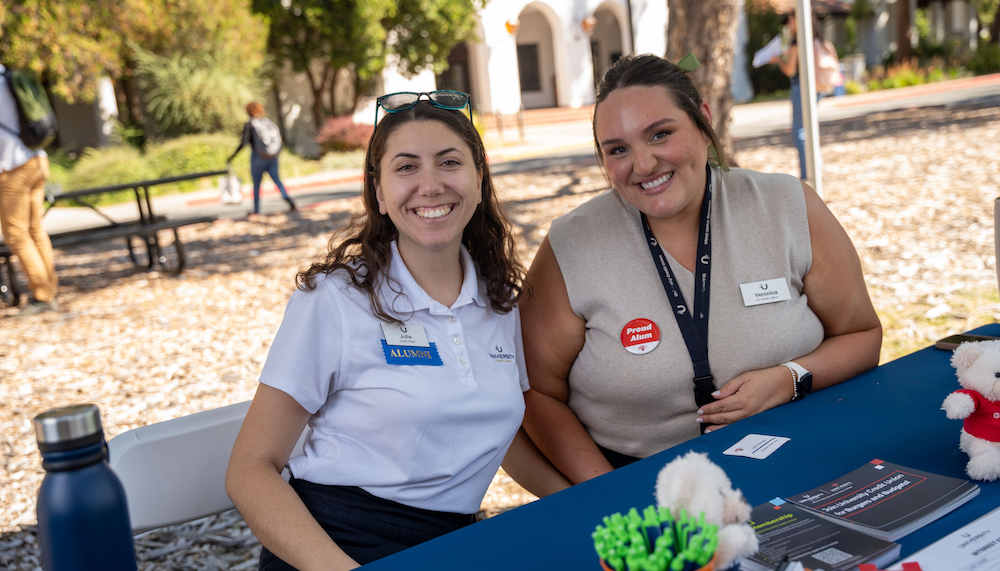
<point x="640" y="336"/>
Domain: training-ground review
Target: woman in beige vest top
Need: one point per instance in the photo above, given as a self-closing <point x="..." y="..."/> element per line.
<point x="624" y="357"/>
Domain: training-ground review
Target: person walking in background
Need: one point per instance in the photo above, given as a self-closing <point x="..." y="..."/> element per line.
<point x="23" y="172"/>
<point x="827" y="78"/>
<point x="265" y="143"/>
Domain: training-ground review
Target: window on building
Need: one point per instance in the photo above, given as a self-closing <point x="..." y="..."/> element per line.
<point x="527" y="65"/>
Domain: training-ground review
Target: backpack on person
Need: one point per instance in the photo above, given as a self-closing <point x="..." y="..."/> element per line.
<point x="828" y="74"/>
<point x="36" y="119"/>
<point x="268" y="136"/>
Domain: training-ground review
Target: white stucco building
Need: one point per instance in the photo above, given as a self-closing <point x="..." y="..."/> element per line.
<point x="535" y="54"/>
<point x="530" y="53"/>
<point x="548" y="53"/>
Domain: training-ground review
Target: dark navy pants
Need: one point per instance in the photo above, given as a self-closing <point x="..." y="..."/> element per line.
<point x="798" y="124"/>
<point x="616" y="459"/>
<point x="364" y="526"/>
<point x="259" y="166"/>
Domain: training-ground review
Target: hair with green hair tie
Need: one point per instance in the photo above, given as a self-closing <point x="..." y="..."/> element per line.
<point x="648" y="70"/>
<point x="688" y="63"/>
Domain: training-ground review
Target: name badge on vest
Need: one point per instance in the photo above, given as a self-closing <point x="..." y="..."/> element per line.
<point x="407" y="344"/>
<point x="767" y="291"/>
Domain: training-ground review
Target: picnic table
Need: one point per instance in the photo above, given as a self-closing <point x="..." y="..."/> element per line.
<point x="146" y="228"/>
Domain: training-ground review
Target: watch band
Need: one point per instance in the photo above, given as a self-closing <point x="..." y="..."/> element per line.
<point x="801" y="379"/>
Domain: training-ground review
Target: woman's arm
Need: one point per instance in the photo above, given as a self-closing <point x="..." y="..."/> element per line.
<point x="548" y="419"/>
<point x="788" y="62"/>
<point x="837" y="294"/>
<point x="531" y="469"/>
<point x="244" y="140"/>
<point x="269" y="505"/>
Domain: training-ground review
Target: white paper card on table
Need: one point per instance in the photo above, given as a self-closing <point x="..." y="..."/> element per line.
<point x="756" y="446"/>
<point x="976" y="546"/>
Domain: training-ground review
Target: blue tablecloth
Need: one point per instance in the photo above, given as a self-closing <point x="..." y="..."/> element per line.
<point x="891" y="413"/>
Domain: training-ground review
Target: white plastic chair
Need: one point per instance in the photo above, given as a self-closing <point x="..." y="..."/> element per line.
<point x="174" y="471"/>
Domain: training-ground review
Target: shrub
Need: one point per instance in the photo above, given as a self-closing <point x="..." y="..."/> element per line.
<point x="853" y="87"/>
<point x="107" y="167"/>
<point x="195" y="94"/>
<point x="191" y="154"/>
<point x="986" y="59"/>
<point x="343" y="134"/>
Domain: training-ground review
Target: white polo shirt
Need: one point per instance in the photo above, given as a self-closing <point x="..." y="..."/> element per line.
<point x="426" y="435"/>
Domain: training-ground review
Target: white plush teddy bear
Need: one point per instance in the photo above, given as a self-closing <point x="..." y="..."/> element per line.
<point x="978" y="402"/>
<point x="695" y="484"/>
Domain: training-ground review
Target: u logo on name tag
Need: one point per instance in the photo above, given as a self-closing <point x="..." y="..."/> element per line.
<point x="767" y="291"/>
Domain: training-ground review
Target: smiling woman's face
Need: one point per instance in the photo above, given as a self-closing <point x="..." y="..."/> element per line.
<point x="654" y="154"/>
<point x="428" y="186"/>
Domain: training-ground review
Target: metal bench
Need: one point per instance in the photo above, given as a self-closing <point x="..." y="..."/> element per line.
<point x="146" y="227"/>
<point x="10" y="292"/>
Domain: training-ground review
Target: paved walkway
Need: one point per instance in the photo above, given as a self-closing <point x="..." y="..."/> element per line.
<point x="546" y="133"/>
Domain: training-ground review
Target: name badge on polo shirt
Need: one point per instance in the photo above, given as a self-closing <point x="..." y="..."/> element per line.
<point x="407" y="344"/>
<point x="767" y="291"/>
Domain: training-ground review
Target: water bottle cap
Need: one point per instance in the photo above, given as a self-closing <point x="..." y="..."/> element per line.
<point x="68" y="423"/>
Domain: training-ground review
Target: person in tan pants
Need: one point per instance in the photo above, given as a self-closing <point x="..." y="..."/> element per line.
<point x="23" y="172"/>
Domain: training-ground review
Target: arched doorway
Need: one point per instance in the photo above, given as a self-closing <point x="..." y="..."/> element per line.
<point x="457" y="77"/>
<point x="536" y="60"/>
<point x="606" y="45"/>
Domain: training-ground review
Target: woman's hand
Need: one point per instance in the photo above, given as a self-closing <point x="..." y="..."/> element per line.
<point x="748" y="394"/>
<point x="270" y="506"/>
<point x="835" y="287"/>
<point x="788" y="62"/>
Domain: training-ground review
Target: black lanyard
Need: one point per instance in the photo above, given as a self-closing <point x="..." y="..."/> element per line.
<point x="693" y="324"/>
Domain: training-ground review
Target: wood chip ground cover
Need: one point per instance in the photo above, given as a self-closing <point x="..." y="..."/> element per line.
<point x="914" y="189"/>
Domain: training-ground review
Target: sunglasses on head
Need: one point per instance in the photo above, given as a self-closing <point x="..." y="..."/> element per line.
<point x="443" y="98"/>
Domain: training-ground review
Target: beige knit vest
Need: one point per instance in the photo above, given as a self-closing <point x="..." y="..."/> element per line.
<point x="640" y="404"/>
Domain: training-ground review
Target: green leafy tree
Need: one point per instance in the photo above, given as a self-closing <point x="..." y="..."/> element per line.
<point x="425" y="31"/>
<point x="988" y="12"/>
<point x="202" y="93"/>
<point x="71" y="43"/>
<point x="179" y="46"/>
<point x="319" y="37"/>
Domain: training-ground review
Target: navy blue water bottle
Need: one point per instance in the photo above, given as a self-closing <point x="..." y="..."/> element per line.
<point x="83" y="522"/>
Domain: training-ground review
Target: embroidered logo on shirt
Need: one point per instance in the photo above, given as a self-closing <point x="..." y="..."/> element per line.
<point x="403" y="355"/>
<point x="500" y="357"/>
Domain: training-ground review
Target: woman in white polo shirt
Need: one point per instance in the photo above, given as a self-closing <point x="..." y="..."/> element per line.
<point x="401" y="351"/>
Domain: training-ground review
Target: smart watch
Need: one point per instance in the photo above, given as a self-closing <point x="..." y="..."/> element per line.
<point x="801" y="378"/>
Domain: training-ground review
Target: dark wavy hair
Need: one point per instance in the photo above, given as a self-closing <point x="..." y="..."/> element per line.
<point x="363" y="248"/>
<point x="648" y="70"/>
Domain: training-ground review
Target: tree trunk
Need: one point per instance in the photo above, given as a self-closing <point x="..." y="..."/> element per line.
<point x="904" y="49"/>
<point x="318" y="85"/>
<point x="995" y="27"/>
<point x="361" y="88"/>
<point x="334" y="104"/>
<point x="130" y="99"/>
<point x="707" y="28"/>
